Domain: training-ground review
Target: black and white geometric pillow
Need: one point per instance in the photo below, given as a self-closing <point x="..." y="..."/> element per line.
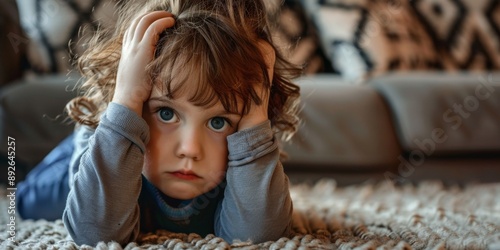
<point x="364" y="38"/>
<point x="54" y="28"/>
<point x="296" y="36"/>
<point x="465" y="32"/>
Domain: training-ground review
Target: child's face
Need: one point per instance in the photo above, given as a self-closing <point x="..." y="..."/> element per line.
<point x="187" y="152"/>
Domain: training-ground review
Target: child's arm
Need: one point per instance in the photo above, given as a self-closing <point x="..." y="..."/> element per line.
<point x="102" y="204"/>
<point x="257" y="203"/>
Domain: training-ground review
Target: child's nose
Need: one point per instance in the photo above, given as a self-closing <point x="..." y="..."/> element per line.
<point x="190" y="145"/>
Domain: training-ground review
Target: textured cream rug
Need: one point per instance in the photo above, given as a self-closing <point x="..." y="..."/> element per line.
<point x="425" y="216"/>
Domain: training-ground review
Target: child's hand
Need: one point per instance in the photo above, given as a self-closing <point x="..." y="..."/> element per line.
<point x="258" y="113"/>
<point x="133" y="87"/>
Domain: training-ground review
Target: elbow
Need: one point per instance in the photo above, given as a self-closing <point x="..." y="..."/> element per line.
<point x="91" y="235"/>
<point x="274" y="230"/>
<point x="80" y="233"/>
<point x="257" y="237"/>
<point x="77" y="231"/>
<point x="270" y="229"/>
<point x="283" y="231"/>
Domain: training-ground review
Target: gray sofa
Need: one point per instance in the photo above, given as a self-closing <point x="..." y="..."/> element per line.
<point x="399" y="127"/>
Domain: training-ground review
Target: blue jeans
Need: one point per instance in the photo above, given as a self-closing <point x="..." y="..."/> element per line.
<point x="42" y="195"/>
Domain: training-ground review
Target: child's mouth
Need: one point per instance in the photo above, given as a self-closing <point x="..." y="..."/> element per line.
<point x="185" y="175"/>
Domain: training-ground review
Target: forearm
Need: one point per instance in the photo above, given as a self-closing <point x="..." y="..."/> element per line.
<point x="102" y="204"/>
<point x="257" y="203"/>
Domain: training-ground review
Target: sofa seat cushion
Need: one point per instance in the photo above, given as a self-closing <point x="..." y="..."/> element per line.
<point x="443" y="114"/>
<point x="343" y="126"/>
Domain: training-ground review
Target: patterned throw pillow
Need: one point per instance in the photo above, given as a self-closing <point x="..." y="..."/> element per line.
<point x="296" y="36"/>
<point x="54" y="25"/>
<point x="54" y="28"/>
<point x="466" y="33"/>
<point x="364" y="38"/>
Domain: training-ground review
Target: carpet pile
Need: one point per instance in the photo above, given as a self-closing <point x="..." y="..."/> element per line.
<point x="378" y="216"/>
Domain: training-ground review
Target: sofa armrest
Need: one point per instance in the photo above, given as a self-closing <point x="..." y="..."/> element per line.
<point x="32" y="112"/>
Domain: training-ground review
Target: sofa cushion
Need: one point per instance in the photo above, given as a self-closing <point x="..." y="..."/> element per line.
<point x="343" y="126"/>
<point x="444" y="114"/>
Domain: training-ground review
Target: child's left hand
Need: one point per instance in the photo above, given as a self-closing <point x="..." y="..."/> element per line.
<point x="258" y="113"/>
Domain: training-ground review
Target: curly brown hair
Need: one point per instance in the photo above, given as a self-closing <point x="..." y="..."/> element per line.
<point x="214" y="41"/>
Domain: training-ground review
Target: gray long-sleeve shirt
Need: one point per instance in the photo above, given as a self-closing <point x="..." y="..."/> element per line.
<point x="110" y="200"/>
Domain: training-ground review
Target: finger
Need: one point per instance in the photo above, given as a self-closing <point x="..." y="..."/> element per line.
<point x="146" y="21"/>
<point x="129" y="33"/>
<point x="126" y="37"/>
<point x="153" y="32"/>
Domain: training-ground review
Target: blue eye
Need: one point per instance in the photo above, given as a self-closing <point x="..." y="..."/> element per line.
<point x="217" y="123"/>
<point x="167" y="115"/>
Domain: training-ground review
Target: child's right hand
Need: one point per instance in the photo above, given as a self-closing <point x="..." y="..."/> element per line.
<point x="133" y="87"/>
<point x="258" y="113"/>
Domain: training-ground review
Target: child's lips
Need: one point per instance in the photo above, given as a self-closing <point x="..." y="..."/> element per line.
<point x="185" y="175"/>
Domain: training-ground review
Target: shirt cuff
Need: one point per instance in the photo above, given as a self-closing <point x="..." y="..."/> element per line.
<point x="126" y="122"/>
<point x="251" y="143"/>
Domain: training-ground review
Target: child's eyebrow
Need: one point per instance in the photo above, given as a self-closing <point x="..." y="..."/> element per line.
<point x="224" y="112"/>
<point x="160" y="99"/>
<point x="219" y="111"/>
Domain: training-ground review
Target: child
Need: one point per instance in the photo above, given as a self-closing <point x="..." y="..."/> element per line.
<point x="181" y="107"/>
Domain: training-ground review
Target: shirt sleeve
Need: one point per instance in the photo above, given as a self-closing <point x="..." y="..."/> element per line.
<point x="257" y="204"/>
<point x="105" y="179"/>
